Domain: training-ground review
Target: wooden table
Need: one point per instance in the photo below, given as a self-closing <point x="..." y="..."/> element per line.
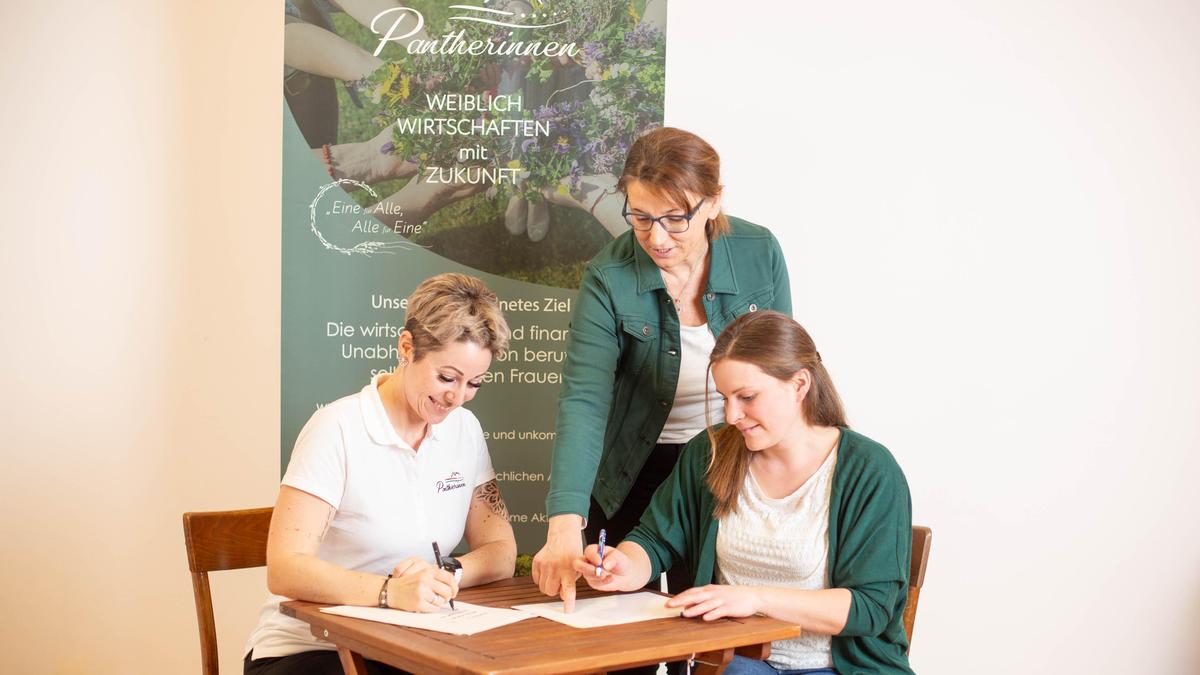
<point x="538" y="645"/>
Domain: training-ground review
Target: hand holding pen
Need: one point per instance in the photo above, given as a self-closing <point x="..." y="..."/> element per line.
<point x="418" y="586"/>
<point x="616" y="571"/>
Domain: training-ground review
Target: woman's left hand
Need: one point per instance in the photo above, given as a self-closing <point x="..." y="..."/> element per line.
<point x="715" y="601"/>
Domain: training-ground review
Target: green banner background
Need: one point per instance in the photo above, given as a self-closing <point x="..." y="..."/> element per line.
<point x="344" y="272"/>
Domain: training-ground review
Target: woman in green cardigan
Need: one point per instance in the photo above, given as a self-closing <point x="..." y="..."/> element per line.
<point x="793" y="515"/>
<point x="649" y="308"/>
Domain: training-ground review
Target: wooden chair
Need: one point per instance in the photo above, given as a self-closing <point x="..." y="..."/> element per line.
<point x="221" y="540"/>
<point x="916" y="576"/>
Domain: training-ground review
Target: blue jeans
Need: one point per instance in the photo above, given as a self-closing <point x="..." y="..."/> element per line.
<point x="741" y="665"/>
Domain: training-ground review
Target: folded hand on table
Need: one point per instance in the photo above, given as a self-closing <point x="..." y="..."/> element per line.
<point x="716" y="601"/>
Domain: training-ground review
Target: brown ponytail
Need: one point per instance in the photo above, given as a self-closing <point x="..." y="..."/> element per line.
<point x="781" y="348"/>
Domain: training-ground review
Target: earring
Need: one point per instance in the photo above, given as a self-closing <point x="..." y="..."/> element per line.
<point x="401" y="362"/>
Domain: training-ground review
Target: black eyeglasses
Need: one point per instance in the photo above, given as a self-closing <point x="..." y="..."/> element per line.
<point x="674" y="224"/>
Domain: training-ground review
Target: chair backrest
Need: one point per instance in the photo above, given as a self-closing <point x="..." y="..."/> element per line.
<point x="916" y="576"/>
<point x="221" y="540"/>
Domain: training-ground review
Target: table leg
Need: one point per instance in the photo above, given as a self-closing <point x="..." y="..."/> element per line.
<point x="352" y="663"/>
<point x="713" y="663"/>
<point x="756" y="652"/>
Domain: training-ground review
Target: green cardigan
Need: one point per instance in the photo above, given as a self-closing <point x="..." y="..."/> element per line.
<point x="870" y="541"/>
<point x="622" y="362"/>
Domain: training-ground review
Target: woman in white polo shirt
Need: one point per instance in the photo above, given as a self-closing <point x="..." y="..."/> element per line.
<point x="377" y="476"/>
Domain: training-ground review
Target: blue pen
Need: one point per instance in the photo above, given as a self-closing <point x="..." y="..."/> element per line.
<point x="600" y="566"/>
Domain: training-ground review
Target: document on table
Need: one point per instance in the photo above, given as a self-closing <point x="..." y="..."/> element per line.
<point x="464" y="619"/>
<point x="607" y="610"/>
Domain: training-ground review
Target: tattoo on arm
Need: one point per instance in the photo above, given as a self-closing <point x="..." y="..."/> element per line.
<point x="489" y="494"/>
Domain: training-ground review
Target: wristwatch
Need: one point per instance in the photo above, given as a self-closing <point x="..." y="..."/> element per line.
<point x="454" y="566"/>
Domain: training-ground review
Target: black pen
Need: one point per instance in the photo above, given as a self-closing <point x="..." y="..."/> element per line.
<point x="437" y="558"/>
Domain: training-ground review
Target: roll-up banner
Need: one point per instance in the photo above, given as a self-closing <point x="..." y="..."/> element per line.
<point x="480" y="137"/>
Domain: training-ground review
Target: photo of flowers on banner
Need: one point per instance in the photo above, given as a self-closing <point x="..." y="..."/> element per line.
<point x="493" y="131"/>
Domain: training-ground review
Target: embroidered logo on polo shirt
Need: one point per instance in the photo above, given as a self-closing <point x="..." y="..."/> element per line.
<point x="452" y="482"/>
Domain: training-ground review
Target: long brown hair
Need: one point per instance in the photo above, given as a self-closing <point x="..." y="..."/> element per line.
<point x="780" y="347"/>
<point x="672" y="162"/>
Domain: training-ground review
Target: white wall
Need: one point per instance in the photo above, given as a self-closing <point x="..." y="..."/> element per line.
<point x="992" y="221"/>
<point x="990" y="213"/>
<point x="140" y="348"/>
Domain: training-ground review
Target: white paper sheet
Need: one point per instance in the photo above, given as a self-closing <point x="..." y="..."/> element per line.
<point x="464" y="619"/>
<point x="608" y="610"/>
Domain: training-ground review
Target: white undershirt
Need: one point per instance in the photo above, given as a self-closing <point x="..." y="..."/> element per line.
<point x="686" y="418"/>
<point x="783" y="543"/>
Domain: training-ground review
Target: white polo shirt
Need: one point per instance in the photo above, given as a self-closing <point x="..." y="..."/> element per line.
<point x="391" y="502"/>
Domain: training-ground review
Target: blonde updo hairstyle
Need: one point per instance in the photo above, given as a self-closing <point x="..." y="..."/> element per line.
<point x="453" y="307"/>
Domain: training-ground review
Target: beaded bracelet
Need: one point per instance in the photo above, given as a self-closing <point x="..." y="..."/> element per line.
<point x="383" y="590"/>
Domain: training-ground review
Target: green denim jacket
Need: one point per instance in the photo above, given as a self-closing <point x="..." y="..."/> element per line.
<point x="622" y="362"/>
<point x="870" y="541"/>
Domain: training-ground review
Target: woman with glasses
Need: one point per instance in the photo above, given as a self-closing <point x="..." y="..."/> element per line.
<point x="649" y="307"/>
